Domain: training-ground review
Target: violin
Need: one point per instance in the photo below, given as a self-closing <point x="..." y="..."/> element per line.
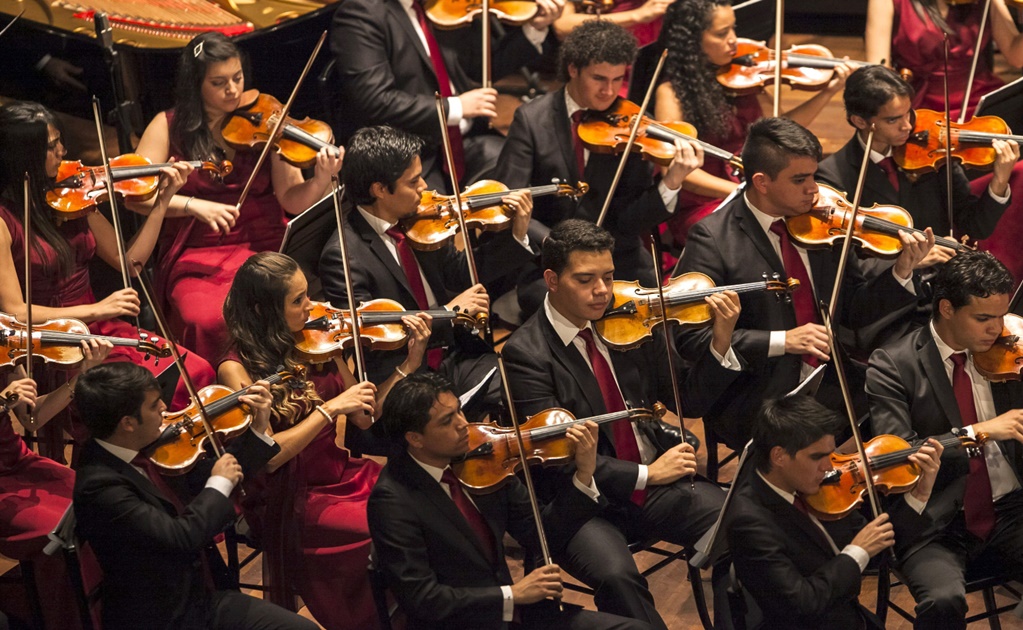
<point x="608" y="132"/>
<point x="1003" y="360"/>
<point x="635" y="310"/>
<point x="182" y="439"/>
<point x="451" y="14"/>
<point x="59" y="341"/>
<point x="876" y="230"/>
<point x="843" y="487"/>
<point x="970" y="142"/>
<point x="804" y="67"/>
<point x="594" y="7"/>
<point x="250" y="126"/>
<point x="493" y="455"/>
<point x="328" y="332"/>
<point x="78" y="188"/>
<point x="435" y="222"/>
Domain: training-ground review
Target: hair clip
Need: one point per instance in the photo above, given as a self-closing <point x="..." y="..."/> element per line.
<point x="198" y="49"/>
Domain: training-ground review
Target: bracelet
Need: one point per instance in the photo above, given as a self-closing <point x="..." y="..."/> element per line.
<point x="398" y="369"/>
<point x="326" y="415"/>
<point x="71" y="388"/>
<point x="184" y="210"/>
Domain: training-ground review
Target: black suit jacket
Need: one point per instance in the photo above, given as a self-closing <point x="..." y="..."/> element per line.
<point x="152" y="557"/>
<point x="539" y="148"/>
<point x="435" y="564"/>
<point x="786" y="565"/>
<point x="911" y="396"/>
<point x="926" y="199"/>
<point x="544" y="373"/>
<point x="730" y="247"/>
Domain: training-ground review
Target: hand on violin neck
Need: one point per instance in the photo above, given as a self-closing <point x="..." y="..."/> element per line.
<point x="939" y="254"/>
<point x="542" y="583"/>
<point x="1008" y="426"/>
<point x="584" y="436"/>
<point x="677" y="462"/>
<point x="258" y="398"/>
<point x="1006" y="156"/>
<point x="472" y="301"/>
<point x="547" y="11"/>
<point x="915" y="247"/>
<point x="95" y="352"/>
<point x="808" y="339"/>
<point x="419" y="327"/>
<point x="725" y="308"/>
<point x="928" y="459"/>
<point x="481" y="102"/>
<point x="876" y="536"/>
<point x="172" y="178"/>
<point x="688" y="157"/>
<point x="520" y="202"/>
<point x="328" y="164"/>
<point x="229" y="468"/>
<point x="842" y="72"/>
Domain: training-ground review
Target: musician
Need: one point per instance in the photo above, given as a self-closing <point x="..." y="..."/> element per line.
<point x="309" y="512"/>
<point x="384" y="176"/>
<point x="542" y="144"/>
<point x="556" y="360"/>
<point x="801" y="571"/>
<point x="31" y="142"/>
<point x="876" y="96"/>
<point x="927" y="384"/>
<point x="391" y="62"/>
<point x="151" y="547"/>
<point x="441" y="550"/>
<point x="207" y="237"/>
<point x="700" y="39"/>
<point x="738" y="243"/>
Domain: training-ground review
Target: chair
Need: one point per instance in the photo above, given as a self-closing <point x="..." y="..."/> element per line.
<point x="713" y="464"/>
<point x="386" y="609"/>
<point x="235" y="563"/>
<point x="983" y="577"/>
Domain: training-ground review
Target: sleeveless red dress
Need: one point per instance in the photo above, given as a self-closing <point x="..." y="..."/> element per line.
<point x="310" y="517"/>
<point x="197" y="266"/>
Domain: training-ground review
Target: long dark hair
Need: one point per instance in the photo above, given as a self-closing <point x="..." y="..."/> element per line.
<point x="693" y="78"/>
<point x="24" y="135"/>
<point x="254" y="313"/>
<point x="190" y="129"/>
<point x="929" y="8"/>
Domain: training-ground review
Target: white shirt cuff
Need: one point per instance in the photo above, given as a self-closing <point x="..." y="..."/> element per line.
<point x="907" y="284"/>
<point x="590" y="490"/>
<point x="508" y="612"/>
<point x="536" y="36"/>
<point x="914" y="503"/>
<point x="776" y="346"/>
<point x="668" y="196"/>
<point x="454" y="111"/>
<point x="269" y="441"/>
<point x="223" y="485"/>
<point x="524" y="242"/>
<point x="729" y="361"/>
<point x="858" y="554"/>
<point x="642" y="478"/>
<point x="1005" y="199"/>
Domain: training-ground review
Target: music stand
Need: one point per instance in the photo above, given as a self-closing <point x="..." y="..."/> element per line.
<point x="1006" y="102"/>
<point x="307" y="233"/>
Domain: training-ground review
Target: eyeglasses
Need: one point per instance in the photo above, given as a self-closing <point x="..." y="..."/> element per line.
<point x="53" y="144"/>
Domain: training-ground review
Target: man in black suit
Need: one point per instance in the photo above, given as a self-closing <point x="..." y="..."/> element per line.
<point x="746" y="239"/>
<point x="802" y="572"/>
<point x="383" y="174"/>
<point x="927" y="384"/>
<point x="876" y="95"/>
<point x="150" y="545"/>
<point x="441" y="550"/>
<point x="542" y="144"/>
<point x="556" y="360"/>
<point x="391" y="62"/>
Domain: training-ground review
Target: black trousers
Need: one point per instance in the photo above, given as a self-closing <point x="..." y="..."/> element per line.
<point x="233" y="610"/>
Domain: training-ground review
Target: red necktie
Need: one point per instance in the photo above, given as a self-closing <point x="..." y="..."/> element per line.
<point x="444" y="83"/>
<point x="802" y="299"/>
<point x="577" y="143"/>
<point x="154" y="476"/>
<point x="800" y="505"/>
<point x="978" y="504"/>
<point x="472" y="515"/>
<point x="626" y="446"/>
<point x="410" y="266"/>
<point x="888" y="166"/>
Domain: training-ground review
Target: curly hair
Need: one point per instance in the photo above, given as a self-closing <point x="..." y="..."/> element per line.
<point x="970" y="274"/>
<point x="693" y="78"/>
<point x="596" y="41"/>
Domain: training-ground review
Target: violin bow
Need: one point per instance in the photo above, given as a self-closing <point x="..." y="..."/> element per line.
<point x="948" y="140"/>
<point x="672" y="369"/>
<point x="470" y="257"/>
<point x="526" y="474"/>
<point x="850" y="226"/>
<point x="485" y="24"/>
<point x="779" y="28"/>
<point x="279" y="124"/>
<point x="973" y="64"/>
<point x="633" y="132"/>
<point x="360" y="359"/>
<point x="11" y="23"/>
<point x="29" y="341"/>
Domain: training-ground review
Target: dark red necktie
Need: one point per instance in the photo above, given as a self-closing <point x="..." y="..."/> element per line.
<point x="800" y="505"/>
<point x="888" y="166"/>
<point x="410" y="266"/>
<point x="472" y="515"/>
<point x="444" y="85"/>
<point x="154" y="476"/>
<point x="577" y="143"/>
<point x="802" y="298"/>
<point x="626" y="446"/>
<point x="978" y="504"/>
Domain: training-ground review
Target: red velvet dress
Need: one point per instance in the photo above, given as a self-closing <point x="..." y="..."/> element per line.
<point x="196" y="265"/>
<point x="693" y="207"/>
<point x="310" y="516"/>
<point x="49" y="289"/>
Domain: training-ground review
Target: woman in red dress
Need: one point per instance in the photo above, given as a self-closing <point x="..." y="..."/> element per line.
<point x="311" y="515"/>
<point x="30" y="142"/>
<point x="206" y="238"/>
<point x="700" y="38"/>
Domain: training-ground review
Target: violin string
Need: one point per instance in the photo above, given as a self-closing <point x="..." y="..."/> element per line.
<point x="562" y="427"/>
<point x="707" y="148"/>
<point x="675" y="298"/>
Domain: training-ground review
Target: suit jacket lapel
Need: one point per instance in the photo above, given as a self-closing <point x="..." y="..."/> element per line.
<point x="933" y="366"/>
<point x="572" y="362"/>
<point x="876" y="184"/>
<point x="376" y="245"/>
<point x="748" y="224"/>
<point x="562" y="127"/>
<point x="399" y="15"/>
<point x="781" y="507"/>
<point x="138" y="479"/>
